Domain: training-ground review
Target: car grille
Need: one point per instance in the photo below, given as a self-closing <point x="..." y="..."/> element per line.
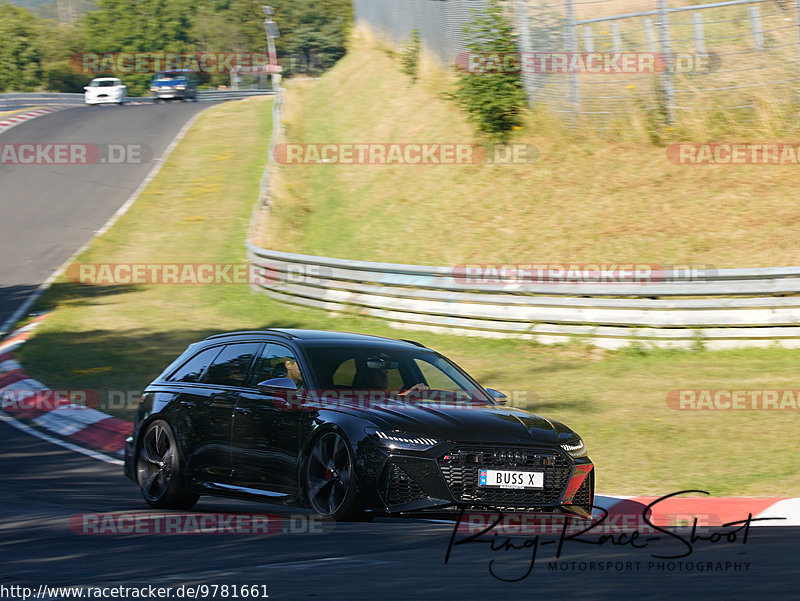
<point x="460" y="470"/>
<point x="401" y="488"/>
<point x="583" y="497"/>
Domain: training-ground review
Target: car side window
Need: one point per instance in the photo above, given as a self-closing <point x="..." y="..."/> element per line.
<point x="231" y="366"/>
<point x="194" y="368"/>
<point x="277" y="361"/>
<point x="345" y="373"/>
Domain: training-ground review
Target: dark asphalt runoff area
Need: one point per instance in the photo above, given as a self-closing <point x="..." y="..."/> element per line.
<point x="44" y="486"/>
<point x="49" y="211"/>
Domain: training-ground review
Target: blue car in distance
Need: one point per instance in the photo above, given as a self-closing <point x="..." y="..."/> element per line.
<point x="175" y="84"/>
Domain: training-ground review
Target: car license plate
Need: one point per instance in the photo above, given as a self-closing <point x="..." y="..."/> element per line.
<point x="519" y="479"/>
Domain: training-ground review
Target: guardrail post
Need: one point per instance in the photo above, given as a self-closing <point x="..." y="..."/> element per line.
<point x="572" y="47"/>
<point x="667" y="88"/>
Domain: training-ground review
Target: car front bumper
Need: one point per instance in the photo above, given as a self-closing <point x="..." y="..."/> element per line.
<point x="105" y="99"/>
<point x="446" y="482"/>
<point x="168" y="94"/>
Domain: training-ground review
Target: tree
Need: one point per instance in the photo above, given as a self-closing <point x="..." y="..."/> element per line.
<point x="20" y="56"/>
<point x="494" y="99"/>
<point x="313" y="34"/>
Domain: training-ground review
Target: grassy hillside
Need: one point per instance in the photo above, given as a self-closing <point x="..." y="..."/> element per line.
<point x="587" y="198"/>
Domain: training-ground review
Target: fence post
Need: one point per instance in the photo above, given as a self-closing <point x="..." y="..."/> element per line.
<point x="572" y="47"/>
<point x="699" y="36"/>
<point x="797" y="26"/>
<point x="650" y="33"/>
<point x="524" y="45"/>
<point x="588" y="38"/>
<point x="666" y="50"/>
<point x="758" y="30"/>
<point x="616" y="38"/>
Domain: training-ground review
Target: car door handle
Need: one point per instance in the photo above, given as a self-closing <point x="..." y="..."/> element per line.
<point x="243" y="410"/>
<point x="187" y="404"/>
<point x="224" y="399"/>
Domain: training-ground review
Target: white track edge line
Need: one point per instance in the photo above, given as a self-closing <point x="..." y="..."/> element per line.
<point x="57" y="441"/>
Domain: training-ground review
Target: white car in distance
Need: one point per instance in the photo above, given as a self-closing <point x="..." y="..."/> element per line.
<point x="105" y="90"/>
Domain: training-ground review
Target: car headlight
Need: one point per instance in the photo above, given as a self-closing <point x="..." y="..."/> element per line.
<point x="154" y="89"/>
<point x="180" y="87"/>
<point x="395" y="440"/>
<point x="575" y="448"/>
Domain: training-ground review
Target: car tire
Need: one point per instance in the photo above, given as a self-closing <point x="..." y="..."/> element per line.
<point x="159" y="469"/>
<point x="331" y="485"/>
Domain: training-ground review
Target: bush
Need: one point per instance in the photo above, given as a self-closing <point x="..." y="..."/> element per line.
<point x="495" y="100"/>
<point x="409" y="57"/>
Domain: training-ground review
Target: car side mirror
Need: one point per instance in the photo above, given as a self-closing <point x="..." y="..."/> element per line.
<point x="274" y="385"/>
<point x="497" y="396"/>
<point x="85" y="87"/>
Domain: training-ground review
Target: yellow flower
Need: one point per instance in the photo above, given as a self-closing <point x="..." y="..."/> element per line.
<point x="631" y="87"/>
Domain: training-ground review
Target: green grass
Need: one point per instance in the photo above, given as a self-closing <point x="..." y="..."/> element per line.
<point x="587" y="198"/>
<point x="197" y="209"/>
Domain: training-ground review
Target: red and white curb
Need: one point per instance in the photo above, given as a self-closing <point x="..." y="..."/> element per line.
<point x="9" y="122"/>
<point x="79" y="427"/>
<point x="76" y="423"/>
<point x="709" y="511"/>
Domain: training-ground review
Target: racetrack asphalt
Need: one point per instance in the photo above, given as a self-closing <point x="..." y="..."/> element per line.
<point x="50" y="211"/>
<point x="43" y="486"/>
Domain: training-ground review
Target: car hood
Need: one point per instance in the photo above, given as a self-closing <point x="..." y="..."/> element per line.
<point x="477" y="424"/>
<point x="160" y="83"/>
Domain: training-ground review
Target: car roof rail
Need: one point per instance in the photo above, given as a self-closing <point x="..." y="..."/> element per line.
<point x="245" y="332"/>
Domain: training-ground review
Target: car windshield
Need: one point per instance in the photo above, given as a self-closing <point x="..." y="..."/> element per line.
<point x="391" y="370"/>
<point x="165" y="76"/>
<point x="108" y="83"/>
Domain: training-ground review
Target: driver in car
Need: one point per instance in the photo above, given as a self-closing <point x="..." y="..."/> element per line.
<point x="293" y="372"/>
<point x="378" y="379"/>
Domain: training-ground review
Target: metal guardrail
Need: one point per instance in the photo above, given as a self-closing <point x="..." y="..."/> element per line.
<point x="716" y="308"/>
<point x="680" y="308"/>
<point x="41" y="99"/>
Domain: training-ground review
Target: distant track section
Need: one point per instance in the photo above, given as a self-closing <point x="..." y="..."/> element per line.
<point x="51" y="210"/>
<point x="10" y="102"/>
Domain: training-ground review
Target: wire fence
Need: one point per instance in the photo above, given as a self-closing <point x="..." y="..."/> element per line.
<point x="603" y="57"/>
